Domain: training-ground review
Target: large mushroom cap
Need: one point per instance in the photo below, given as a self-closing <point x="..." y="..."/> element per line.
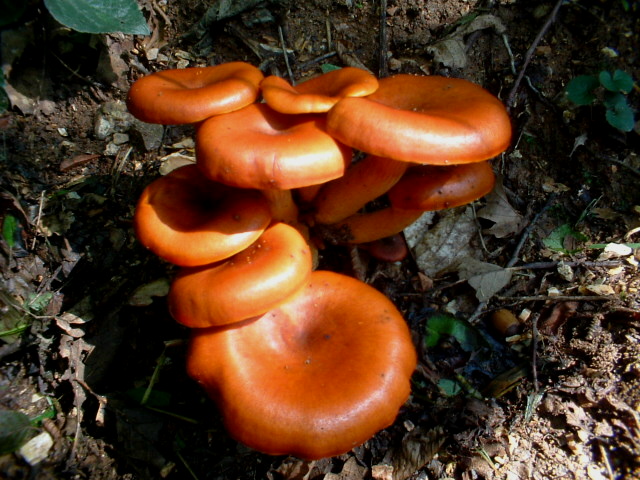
<point x="318" y="94"/>
<point x="190" y="95"/>
<point x="434" y="120"/>
<point x="250" y="283"/>
<point x="315" y="377"/>
<point x="189" y="220"/>
<point x="257" y="147"/>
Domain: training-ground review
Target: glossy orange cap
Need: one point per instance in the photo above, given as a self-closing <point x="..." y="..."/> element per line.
<point x="191" y="95"/>
<point x="189" y="220"/>
<point x="318" y="94"/>
<point x="257" y="147"/>
<point x="433" y="120"/>
<point x="250" y="283"/>
<point x="313" y="378"/>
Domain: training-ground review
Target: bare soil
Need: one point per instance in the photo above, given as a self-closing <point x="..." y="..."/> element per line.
<point x="85" y="328"/>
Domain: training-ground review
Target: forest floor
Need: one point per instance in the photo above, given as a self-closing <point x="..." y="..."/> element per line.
<point x="85" y="331"/>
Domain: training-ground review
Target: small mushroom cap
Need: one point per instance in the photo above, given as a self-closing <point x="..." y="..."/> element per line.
<point x="318" y="94"/>
<point x="315" y="377"/>
<point x="388" y="249"/>
<point x="257" y="147"/>
<point x="429" y="187"/>
<point x="250" y="283"/>
<point x="190" y="95"/>
<point x="189" y="220"/>
<point x="433" y="120"/>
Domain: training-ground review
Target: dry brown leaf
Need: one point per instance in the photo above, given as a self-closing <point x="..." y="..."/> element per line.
<point x="498" y="210"/>
<point x="443" y="246"/>
<point x="351" y="470"/>
<point x="486" y="279"/>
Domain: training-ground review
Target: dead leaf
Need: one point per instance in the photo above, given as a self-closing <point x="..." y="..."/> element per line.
<point x="442" y="247"/>
<point x="418" y="447"/>
<point x="486" y="279"/>
<point x="77" y="160"/>
<point x="498" y="210"/>
<point x="351" y="470"/>
<point x="143" y="295"/>
<point x="451" y="51"/>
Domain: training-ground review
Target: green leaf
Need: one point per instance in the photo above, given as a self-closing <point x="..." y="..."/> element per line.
<point x="99" y="16"/>
<point x="556" y="239"/>
<point x="620" y="81"/>
<point x="439" y="325"/>
<point x="10" y="229"/>
<point x="619" y="114"/>
<point x="328" y="67"/>
<point x="15" y="430"/>
<point x="580" y="89"/>
<point x="37" y="302"/>
<point x="621" y="118"/>
<point x="448" y="387"/>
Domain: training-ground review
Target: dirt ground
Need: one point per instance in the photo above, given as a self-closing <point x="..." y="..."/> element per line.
<point x="90" y="354"/>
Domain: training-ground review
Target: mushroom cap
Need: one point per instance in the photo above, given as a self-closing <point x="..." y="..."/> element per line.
<point x="363" y="181"/>
<point x="257" y="147"/>
<point x="429" y="187"/>
<point x="318" y="94"/>
<point x="388" y="249"/>
<point x="189" y="220"/>
<point x="434" y="120"/>
<point x="190" y="95"/>
<point x="250" y="283"/>
<point x="369" y="226"/>
<point x="315" y="377"/>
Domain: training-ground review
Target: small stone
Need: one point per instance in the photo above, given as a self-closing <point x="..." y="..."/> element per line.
<point x="36" y="449"/>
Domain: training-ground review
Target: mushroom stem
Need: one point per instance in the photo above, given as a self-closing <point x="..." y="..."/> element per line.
<point x="283" y="208"/>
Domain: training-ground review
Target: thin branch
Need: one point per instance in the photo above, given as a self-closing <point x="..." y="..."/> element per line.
<point x="527" y="231"/>
<point x="286" y="57"/>
<point x="383" y="67"/>
<point x="529" y="55"/>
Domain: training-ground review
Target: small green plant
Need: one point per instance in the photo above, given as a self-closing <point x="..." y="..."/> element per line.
<point x="611" y="90"/>
<point x="99" y="16"/>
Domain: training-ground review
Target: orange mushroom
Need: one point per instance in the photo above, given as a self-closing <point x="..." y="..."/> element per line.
<point x="362" y="182"/>
<point x="369" y="226"/>
<point x="257" y="147"/>
<point x="191" y="95"/>
<point x="422" y="188"/>
<point x="434" y="120"/>
<point x="388" y="249"/>
<point x="315" y="377"/>
<point x="189" y="220"/>
<point x="250" y="283"/>
<point x="429" y="187"/>
<point x="318" y="94"/>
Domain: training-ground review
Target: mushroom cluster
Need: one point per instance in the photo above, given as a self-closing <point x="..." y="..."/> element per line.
<point x="302" y="361"/>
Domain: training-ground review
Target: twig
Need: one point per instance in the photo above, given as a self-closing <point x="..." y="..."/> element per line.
<point x="160" y="12"/>
<point x="527" y="231"/>
<point x="621" y="163"/>
<point x="305" y="65"/>
<point x="529" y="55"/>
<point x="383" y="67"/>
<point x="534" y="352"/>
<point x="286" y="57"/>
<point x="38" y="219"/>
<point x="558" y="298"/>
<point x="545" y="265"/>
